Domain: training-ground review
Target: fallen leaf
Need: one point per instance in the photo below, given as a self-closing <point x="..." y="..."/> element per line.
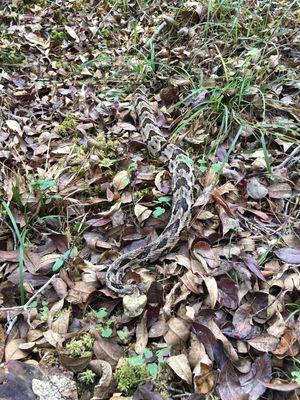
<point x="256" y="190"/>
<point x="180" y="365"/>
<point x="212" y="288"/>
<point x="141" y="335"/>
<point x="261" y="371"/>
<point x="229" y="386"/>
<point x="72" y="33"/>
<point x="289" y="255"/>
<point x="121" y="180"/>
<point x="142" y="213"/>
<point x="265" y="343"/>
<point x="13" y="352"/>
<point x="134" y="304"/>
<point x="281" y="386"/>
<point x="14" y="126"/>
<point x="280" y="191"/>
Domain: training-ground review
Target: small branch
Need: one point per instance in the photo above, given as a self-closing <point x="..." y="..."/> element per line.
<point x="156" y="33"/>
<point x="26" y="305"/>
<point x="290" y="158"/>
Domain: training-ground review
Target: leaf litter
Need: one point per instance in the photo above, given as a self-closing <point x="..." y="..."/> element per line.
<point x="221" y="317"/>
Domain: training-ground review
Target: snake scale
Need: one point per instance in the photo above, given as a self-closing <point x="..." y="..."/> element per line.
<point x="182" y="187"/>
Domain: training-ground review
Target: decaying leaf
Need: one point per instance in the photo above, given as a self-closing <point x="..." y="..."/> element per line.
<point x="134" y="304"/>
<point x="181" y="367"/>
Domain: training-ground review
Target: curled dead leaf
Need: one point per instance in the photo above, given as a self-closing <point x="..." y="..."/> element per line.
<point x="104" y="370"/>
<point x="13" y="351"/>
<point x="178" y="332"/>
<point x="134" y="304"/>
<point x="180" y="365"/>
<point x="141" y="212"/>
<point x="204" y="379"/>
<point x="108" y="350"/>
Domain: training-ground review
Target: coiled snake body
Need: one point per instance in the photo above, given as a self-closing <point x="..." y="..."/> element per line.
<point x="182" y="186"/>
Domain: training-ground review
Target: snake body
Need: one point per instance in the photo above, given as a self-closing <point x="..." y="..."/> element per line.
<point x="182" y="186"/>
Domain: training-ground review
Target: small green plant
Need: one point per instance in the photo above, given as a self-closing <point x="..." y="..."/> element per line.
<point x="58" y="35"/>
<point x="106" y="33"/>
<point x="296" y="376"/>
<point x="143" y="367"/>
<point x="44" y="311"/>
<point x="82" y="346"/>
<point x="158" y="211"/>
<point x="60" y="261"/>
<point x="43" y="187"/>
<point x="10" y="57"/>
<point x="295" y="307"/>
<point x="140" y="369"/>
<point x="270" y="175"/>
<point x="87" y="377"/>
<point x="102" y="324"/>
<point x="21" y="238"/>
<point x="67" y="125"/>
<point x="129" y="376"/>
<point x="122" y="335"/>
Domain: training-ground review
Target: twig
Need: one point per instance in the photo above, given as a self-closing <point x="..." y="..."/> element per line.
<point x="156" y="33"/>
<point x="25" y="306"/>
<point x="293" y="155"/>
<point x="268" y="305"/>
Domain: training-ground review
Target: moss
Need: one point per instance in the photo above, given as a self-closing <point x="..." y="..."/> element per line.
<point x="68" y="124"/>
<point x="143" y="192"/>
<point x="11" y="57"/>
<point x="81" y="347"/>
<point x="58" y="35"/>
<point x="130" y="376"/>
<point x="87" y="377"/>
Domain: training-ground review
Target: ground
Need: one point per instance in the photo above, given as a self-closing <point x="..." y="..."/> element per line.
<point x="222" y="314"/>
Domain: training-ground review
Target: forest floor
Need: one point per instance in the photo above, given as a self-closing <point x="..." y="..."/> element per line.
<point x="222" y="315"/>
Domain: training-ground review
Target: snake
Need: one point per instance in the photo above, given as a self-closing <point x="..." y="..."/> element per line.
<point x="181" y="169"/>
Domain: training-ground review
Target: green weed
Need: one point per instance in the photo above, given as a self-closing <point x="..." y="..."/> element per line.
<point x="87" y="377"/>
<point x="58" y="35"/>
<point x="140" y="369"/>
<point x="11" y="57"/>
<point x="21" y="238"/>
<point x="68" y="124"/>
<point x="130" y="376"/>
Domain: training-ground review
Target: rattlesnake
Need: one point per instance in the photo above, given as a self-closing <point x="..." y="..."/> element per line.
<point x="182" y="186"/>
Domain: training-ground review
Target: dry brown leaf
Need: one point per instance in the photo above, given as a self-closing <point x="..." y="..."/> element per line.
<point x="60" y="287"/>
<point x="104" y="370"/>
<point x="141" y="335"/>
<point x="280" y="191"/>
<point x="204" y="379"/>
<point x="196" y="351"/>
<point x="141" y="212"/>
<point x="57" y="307"/>
<point x="121" y="180"/>
<point x="108" y="350"/>
<point x="265" y="343"/>
<point x="80" y="292"/>
<point x="134" y="304"/>
<point x="14" y="126"/>
<point x="212" y="288"/>
<point x="158" y="329"/>
<point x="61" y="324"/>
<point x="180" y="365"/>
<point x="72" y="33"/>
<point x="13" y="352"/>
<point x="53" y="338"/>
<point x="178" y="332"/>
